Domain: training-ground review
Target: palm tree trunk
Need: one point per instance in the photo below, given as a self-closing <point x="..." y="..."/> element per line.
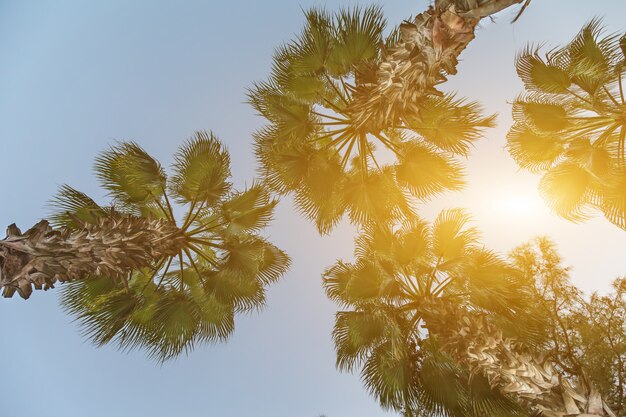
<point x="532" y="380"/>
<point x="112" y="247"/>
<point x="425" y="54"/>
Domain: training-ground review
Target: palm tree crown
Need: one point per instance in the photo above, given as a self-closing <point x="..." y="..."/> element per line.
<point x="394" y="292"/>
<point x="136" y="274"/>
<point x="318" y="145"/>
<point x="570" y="124"/>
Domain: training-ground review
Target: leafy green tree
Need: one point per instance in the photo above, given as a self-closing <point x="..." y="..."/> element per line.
<point x="570" y="125"/>
<point x="586" y="335"/>
<point x="135" y="274"/>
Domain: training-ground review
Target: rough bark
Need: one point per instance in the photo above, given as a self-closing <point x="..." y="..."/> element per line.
<point x="427" y="52"/>
<point x="112" y="247"/>
<point x="509" y="366"/>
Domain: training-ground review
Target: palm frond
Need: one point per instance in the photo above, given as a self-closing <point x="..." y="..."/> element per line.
<point x="452" y="240"/>
<point x="532" y="151"/>
<point x="201" y="170"/>
<point x="356" y="333"/>
<point x="248" y="210"/>
<point x="130" y="175"/>
<point x="566" y="190"/>
<point x="543" y="115"/>
<point x="71" y="205"/>
<point x="589" y="58"/>
<point x="426" y="173"/>
<point x="538" y="75"/>
<point x="358" y="33"/>
<point x="374" y="196"/>
<point x="450" y="124"/>
<point x="390" y="374"/>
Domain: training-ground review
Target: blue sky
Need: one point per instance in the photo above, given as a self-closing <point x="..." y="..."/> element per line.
<point x="77" y="75"/>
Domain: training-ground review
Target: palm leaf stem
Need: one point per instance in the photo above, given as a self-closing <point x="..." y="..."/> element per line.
<point x="345" y="135"/>
<point x="328" y="135"/>
<point x="167" y="267"/>
<point x="201" y="254"/>
<point x="155" y="271"/>
<point x="389" y="144"/>
<point x="610" y="96"/>
<point x="620" y="144"/>
<point x="204" y="227"/>
<point x="327" y="116"/>
<point x="346" y="156"/>
<point x="621" y="88"/>
<point x="333" y="106"/>
<point x="188" y="215"/>
<point x="605" y="135"/>
<point x="332" y="123"/>
<point x="169" y="205"/>
<point x="193" y="264"/>
<point x="579" y="97"/>
<point x="165" y="212"/>
<point x="207" y="242"/>
<point x="181" y="271"/>
<point x="346" y="88"/>
<point x="339" y="93"/>
<point x="194" y="217"/>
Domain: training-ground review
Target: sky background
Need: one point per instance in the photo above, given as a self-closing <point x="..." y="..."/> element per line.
<point x="75" y="76"/>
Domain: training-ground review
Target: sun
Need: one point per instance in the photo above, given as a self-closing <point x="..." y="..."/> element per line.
<point x="516" y="204"/>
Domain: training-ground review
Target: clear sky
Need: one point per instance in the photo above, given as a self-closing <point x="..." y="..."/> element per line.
<point x="77" y="75"/>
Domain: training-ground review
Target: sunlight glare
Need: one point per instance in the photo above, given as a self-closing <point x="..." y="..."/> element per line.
<point x="516" y="205"/>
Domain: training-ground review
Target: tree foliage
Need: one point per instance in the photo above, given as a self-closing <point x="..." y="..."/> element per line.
<point x="314" y="147"/>
<point x="586" y="335"/>
<point x="569" y="124"/>
<point x="383" y="328"/>
<point x="222" y="267"/>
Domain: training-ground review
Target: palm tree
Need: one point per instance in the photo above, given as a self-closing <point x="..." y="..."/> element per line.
<point x="137" y="275"/>
<point x="570" y="124"/>
<point x="427" y="309"/>
<point x="354" y="122"/>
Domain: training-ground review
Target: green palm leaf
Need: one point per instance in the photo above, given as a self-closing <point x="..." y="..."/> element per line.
<point x="531" y="151"/>
<point x="130" y="175"/>
<point x="450" y="124"/>
<point x="566" y="189"/>
<point x="426" y="173"/>
<point x="538" y="75"/>
<point x="72" y="207"/>
<point x="201" y="170"/>
<point x="249" y="210"/>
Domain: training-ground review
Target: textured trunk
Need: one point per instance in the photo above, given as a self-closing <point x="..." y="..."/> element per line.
<point x="515" y="371"/>
<point x="426" y="53"/>
<point x="111" y="248"/>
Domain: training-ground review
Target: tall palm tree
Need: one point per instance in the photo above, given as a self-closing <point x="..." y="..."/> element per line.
<point x="354" y="122"/>
<point x="570" y="124"/>
<point x="134" y="272"/>
<point x="427" y="307"/>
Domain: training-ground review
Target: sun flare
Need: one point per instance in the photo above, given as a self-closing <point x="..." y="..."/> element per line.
<point x="515" y="204"/>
